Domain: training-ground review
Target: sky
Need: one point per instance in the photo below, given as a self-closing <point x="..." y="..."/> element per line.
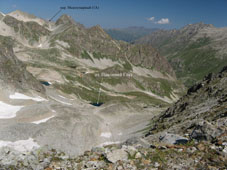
<point x="165" y="14"/>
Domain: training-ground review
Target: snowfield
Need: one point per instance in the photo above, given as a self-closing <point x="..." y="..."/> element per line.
<point x="24" y="97"/>
<point x="43" y="120"/>
<point x="8" y="111"/>
<point x="109" y="143"/>
<point x="62" y="102"/>
<point x="106" y="135"/>
<point x="20" y="145"/>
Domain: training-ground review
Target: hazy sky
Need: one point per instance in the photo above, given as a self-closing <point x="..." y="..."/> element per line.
<point x="124" y="13"/>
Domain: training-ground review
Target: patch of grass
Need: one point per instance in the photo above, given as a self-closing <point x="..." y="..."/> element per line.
<point x="197" y="63"/>
<point x="70" y="64"/>
<point x="85" y="55"/>
<point x="70" y="77"/>
<point x="51" y="54"/>
<point x="113" y="80"/>
<point x="145" y="98"/>
<point x="139" y="84"/>
<point x="98" y="55"/>
<point x="127" y="66"/>
<point x="158" y="156"/>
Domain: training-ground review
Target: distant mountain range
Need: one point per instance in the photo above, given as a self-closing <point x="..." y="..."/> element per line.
<point x="129" y="34"/>
<point x="193" y="51"/>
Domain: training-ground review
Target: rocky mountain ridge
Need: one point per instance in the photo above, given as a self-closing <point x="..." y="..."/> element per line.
<point x="204" y="106"/>
<point x="88" y="50"/>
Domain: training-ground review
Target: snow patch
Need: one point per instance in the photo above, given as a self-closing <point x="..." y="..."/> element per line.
<point x="24" y="97"/>
<point x="61" y="101"/>
<point x="62" y="97"/>
<point x="43" y="120"/>
<point x="109" y="143"/>
<point x="8" y="111"/>
<point x="20" y="145"/>
<point x="106" y="134"/>
<point x="40" y="45"/>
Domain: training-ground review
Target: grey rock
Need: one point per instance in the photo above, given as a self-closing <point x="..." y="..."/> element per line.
<point x="225" y="150"/>
<point x="130" y="150"/>
<point x="117" y="155"/>
<point x="172" y="139"/>
<point x="138" y="155"/>
<point x="95" y="164"/>
<point x="191" y="149"/>
<point x="204" y="130"/>
<point x="156" y="164"/>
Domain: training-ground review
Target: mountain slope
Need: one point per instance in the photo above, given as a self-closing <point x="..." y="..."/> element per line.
<point x="79" y="57"/>
<point x="13" y="73"/>
<point x="201" y="113"/>
<point x="193" y="51"/>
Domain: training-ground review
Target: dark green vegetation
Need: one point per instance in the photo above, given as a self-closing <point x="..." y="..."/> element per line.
<point x="90" y="94"/>
<point x="194" y="62"/>
<point x="192" y="51"/>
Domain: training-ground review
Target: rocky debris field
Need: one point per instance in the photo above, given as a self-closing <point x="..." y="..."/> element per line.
<point x="193" y="155"/>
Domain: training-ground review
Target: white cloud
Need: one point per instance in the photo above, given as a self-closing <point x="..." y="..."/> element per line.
<point x="151" y="19"/>
<point x="163" y="21"/>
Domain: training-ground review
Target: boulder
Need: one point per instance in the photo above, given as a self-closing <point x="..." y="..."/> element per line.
<point x="117" y="155"/>
<point x="172" y="139"/>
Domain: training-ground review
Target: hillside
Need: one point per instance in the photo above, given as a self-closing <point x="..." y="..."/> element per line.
<point x="193" y="51"/>
<point x="203" y="107"/>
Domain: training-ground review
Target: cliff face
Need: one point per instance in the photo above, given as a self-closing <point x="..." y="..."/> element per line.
<point x="13" y="73"/>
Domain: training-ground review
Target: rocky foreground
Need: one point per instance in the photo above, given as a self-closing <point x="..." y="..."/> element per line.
<point x="201" y="155"/>
<point x="192" y="134"/>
